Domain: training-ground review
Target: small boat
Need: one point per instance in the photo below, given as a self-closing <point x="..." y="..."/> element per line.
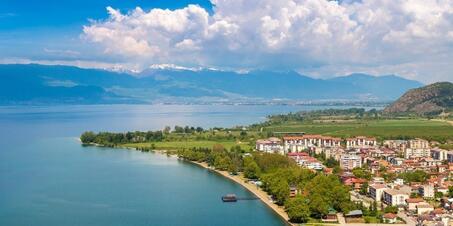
<point x="229" y="198"/>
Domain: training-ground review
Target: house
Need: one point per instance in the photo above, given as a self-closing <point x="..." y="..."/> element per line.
<point x="399" y="182"/>
<point x="355" y="183"/>
<point x="442" y="189"/>
<point x="395" y="197"/>
<point x="424" y="208"/>
<point x="378" y="180"/>
<point x="390" y="218"/>
<point x="396" y="161"/>
<point x="304" y="160"/>
<point x="293" y="191"/>
<point x="427" y="191"/>
<point x="376" y="191"/>
<point x="330" y="217"/>
<point x="413" y="202"/>
<point x="354" y="214"/>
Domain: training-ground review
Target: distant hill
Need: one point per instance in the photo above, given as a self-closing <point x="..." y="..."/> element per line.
<point x="431" y="99"/>
<point x="34" y="83"/>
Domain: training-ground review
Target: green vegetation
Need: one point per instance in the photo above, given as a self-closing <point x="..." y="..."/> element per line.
<point x="179" y="145"/>
<point x="298" y="209"/>
<point x="317" y="193"/>
<point x="450" y="192"/>
<point x="414" y="176"/>
<point x="379" y="128"/>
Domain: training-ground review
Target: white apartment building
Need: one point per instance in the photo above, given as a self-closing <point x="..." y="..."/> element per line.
<point x="418" y="144"/>
<point x="417" y="153"/>
<point x="361" y="142"/>
<point x="300" y="143"/>
<point x="350" y="161"/>
<point x="376" y="191"/>
<point x="439" y="154"/>
<point x="394" y="197"/>
<point x="395" y="144"/>
<point x="427" y="191"/>
<point x="271" y="145"/>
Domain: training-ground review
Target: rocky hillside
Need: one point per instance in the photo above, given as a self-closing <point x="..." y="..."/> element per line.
<point x="428" y="100"/>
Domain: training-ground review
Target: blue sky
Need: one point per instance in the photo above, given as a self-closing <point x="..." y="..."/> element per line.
<point x="38" y="29"/>
<point x="319" y="38"/>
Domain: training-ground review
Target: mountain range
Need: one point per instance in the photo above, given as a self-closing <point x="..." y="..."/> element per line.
<point x="42" y="84"/>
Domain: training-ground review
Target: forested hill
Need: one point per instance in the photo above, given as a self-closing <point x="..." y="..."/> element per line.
<point x="432" y="99"/>
<point x="36" y="84"/>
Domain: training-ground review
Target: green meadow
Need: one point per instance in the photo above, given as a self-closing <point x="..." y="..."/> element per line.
<point x="380" y="128"/>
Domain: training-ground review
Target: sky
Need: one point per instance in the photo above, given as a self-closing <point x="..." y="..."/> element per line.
<point x="319" y="38"/>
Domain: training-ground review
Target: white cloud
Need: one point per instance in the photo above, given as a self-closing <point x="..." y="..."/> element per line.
<point x="307" y="35"/>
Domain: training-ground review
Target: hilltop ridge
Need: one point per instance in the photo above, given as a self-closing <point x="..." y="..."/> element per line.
<point x="432" y="99"/>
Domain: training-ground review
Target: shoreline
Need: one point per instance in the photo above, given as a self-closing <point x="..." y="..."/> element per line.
<point x="262" y="195"/>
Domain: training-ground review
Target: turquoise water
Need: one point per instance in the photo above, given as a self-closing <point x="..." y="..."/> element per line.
<point x="48" y="178"/>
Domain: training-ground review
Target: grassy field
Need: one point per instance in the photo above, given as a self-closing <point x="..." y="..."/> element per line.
<point x="177" y="145"/>
<point x="381" y="129"/>
<point x="423" y="128"/>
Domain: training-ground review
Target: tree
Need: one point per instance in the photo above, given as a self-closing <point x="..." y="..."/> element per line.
<point x="391" y="209"/>
<point x="415" y="176"/>
<point x="88" y="137"/>
<point x="450" y="192"/>
<point x="364" y="188"/>
<point x="361" y="173"/>
<point x="438" y="195"/>
<point x="251" y="169"/>
<point x="318" y="206"/>
<point x="297" y="209"/>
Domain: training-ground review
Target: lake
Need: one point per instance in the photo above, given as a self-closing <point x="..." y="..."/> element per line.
<point x="48" y="178"/>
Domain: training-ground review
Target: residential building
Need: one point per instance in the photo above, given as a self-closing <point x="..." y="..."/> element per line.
<point x="390" y="218"/>
<point x="439" y="154"/>
<point x="427" y="191"/>
<point x="299" y="143"/>
<point x="399" y="181"/>
<point x="395" y="197"/>
<point x="396" y="161"/>
<point x="412" y="203"/>
<point x="361" y="142"/>
<point x="270" y="145"/>
<point x="304" y="160"/>
<point x="418" y="144"/>
<point x="450" y="157"/>
<point x="376" y="191"/>
<point x="395" y="144"/>
<point x="424" y="208"/>
<point x="350" y="161"/>
<point x="417" y="153"/>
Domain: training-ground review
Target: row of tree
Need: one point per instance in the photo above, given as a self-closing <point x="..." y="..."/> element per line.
<point x="108" y="138"/>
<point x="317" y="193"/>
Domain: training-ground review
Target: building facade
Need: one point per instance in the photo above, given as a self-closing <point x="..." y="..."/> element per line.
<point x="361" y="142"/>
<point x="350" y="161"/>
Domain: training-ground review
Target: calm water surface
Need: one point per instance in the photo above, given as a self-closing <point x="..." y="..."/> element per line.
<point x="48" y="178"/>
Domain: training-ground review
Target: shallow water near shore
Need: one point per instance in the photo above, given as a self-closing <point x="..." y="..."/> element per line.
<point x="48" y="178"/>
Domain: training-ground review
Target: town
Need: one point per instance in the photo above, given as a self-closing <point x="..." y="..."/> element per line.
<point x="410" y="179"/>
